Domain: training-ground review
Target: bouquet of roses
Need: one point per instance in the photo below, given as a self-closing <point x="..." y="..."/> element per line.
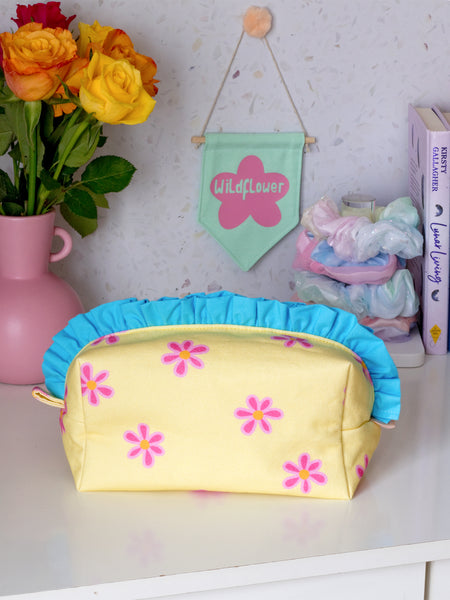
<point x="56" y="92"/>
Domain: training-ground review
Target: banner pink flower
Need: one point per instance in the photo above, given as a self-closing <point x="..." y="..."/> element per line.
<point x="92" y="385"/>
<point x="305" y="472"/>
<point x="251" y="192"/>
<point x="145" y="443"/>
<point x="183" y="355"/>
<point x="257" y="413"/>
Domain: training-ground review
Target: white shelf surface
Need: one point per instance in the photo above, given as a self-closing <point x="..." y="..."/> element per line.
<point x="59" y="543"/>
<point x="409" y="353"/>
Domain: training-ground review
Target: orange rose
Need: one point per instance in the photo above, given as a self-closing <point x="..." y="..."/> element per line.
<point x="73" y="82"/>
<point x="118" y="45"/>
<point x="35" y="59"/>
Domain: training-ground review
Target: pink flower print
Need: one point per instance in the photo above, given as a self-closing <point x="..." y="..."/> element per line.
<point x="257" y="413"/>
<point x="145" y="443"/>
<point x="92" y="385"/>
<point x="291" y="340"/>
<point x="183" y="355"/>
<point x="361" y="470"/>
<point x="305" y="472"/>
<point x="62" y="414"/>
<point x="364" y="367"/>
<point x="109" y="339"/>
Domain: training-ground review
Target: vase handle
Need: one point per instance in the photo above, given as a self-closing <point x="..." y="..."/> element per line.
<point x="67" y="247"/>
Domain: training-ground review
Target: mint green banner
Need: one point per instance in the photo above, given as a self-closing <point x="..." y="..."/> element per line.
<point x="250" y="191"/>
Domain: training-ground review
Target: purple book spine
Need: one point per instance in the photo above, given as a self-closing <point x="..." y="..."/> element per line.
<point x="429" y="190"/>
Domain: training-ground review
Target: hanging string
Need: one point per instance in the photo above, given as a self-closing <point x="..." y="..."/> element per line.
<point x="285" y="86"/>
<point x="257" y="23"/>
<point x="221" y="85"/>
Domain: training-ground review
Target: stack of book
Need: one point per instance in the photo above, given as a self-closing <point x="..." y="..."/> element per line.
<point x="429" y="189"/>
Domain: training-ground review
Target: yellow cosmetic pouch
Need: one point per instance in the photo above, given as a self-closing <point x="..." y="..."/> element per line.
<point x="220" y="392"/>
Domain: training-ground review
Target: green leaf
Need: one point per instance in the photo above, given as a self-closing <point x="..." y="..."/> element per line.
<point x="22" y="186"/>
<point x="84" y="148"/>
<point x="57" y="133"/>
<point x="54" y="198"/>
<point x="102" y="141"/>
<point x="108" y="174"/>
<point x="16" y="119"/>
<point x="6" y="134"/>
<point x="23" y="118"/>
<point x="80" y="203"/>
<point x="6" y="95"/>
<point x="99" y="199"/>
<point x="7" y="189"/>
<point x="12" y="209"/>
<point x="50" y="191"/>
<point x="82" y="225"/>
<point x="32" y="114"/>
<point x="47" y="121"/>
<point x="48" y="182"/>
<point x="66" y="177"/>
<point x="15" y="153"/>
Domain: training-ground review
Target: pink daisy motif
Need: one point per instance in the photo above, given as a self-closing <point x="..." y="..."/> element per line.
<point x="109" y="339"/>
<point x="145" y="443"/>
<point x="361" y="470"/>
<point x="62" y="414"/>
<point x="92" y="385"/>
<point x="257" y="413"/>
<point x="183" y="355"/>
<point x="364" y="368"/>
<point x="291" y="340"/>
<point x="305" y="472"/>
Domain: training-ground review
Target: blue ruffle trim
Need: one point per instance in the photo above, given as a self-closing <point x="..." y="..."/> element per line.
<point x="228" y="308"/>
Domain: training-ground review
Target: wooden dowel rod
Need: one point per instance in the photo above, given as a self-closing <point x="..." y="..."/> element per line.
<point x="198" y="139"/>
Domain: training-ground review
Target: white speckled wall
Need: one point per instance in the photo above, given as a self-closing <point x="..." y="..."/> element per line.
<point x="352" y="68"/>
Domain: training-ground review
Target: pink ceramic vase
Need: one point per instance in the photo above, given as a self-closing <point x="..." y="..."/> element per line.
<point x="34" y="303"/>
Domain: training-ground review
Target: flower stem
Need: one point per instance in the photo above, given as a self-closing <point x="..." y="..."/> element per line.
<point x="32" y="173"/>
<point x="16" y="173"/>
<point x="43" y="193"/>
<point x="73" y="117"/>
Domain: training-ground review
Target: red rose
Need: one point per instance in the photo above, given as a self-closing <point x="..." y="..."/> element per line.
<point x="47" y="13"/>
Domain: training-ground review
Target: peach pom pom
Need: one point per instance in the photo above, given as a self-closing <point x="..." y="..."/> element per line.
<point x="257" y="21"/>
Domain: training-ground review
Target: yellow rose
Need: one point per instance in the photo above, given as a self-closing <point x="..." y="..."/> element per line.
<point x="112" y="91"/>
<point x="35" y="59"/>
<point x="91" y="37"/>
